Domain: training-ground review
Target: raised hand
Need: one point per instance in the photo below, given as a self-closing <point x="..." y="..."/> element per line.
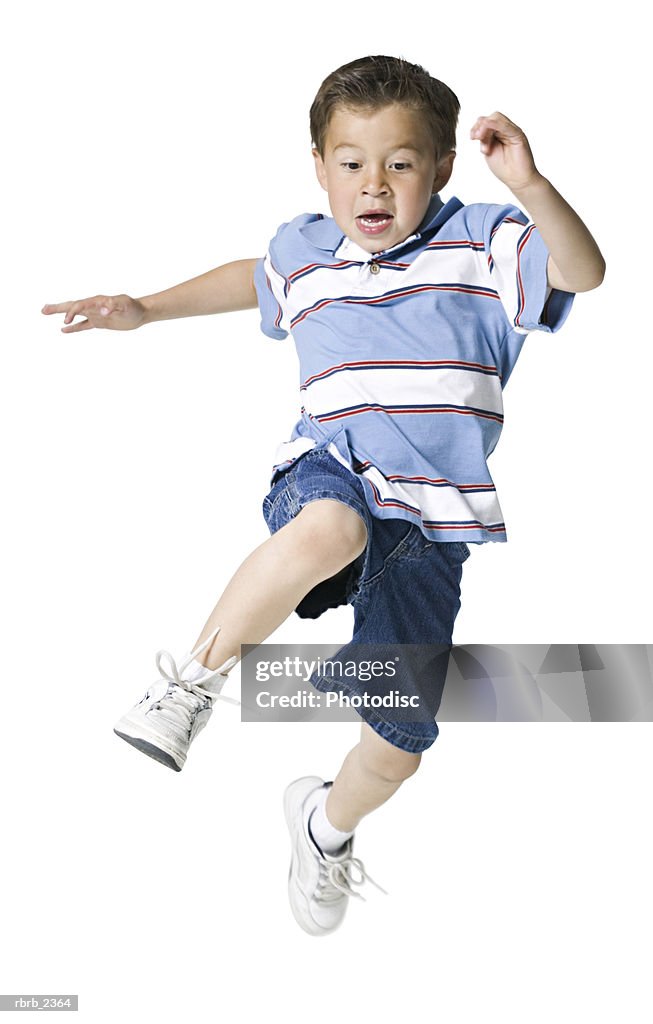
<point x="506" y="150"/>
<point x="115" y="312"/>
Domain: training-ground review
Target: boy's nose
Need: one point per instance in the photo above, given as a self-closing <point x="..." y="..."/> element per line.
<point x="375" y="182"/>
<point x="376" y="186"/>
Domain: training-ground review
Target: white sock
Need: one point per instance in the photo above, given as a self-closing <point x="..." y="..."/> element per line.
<point x="195" y="670"/>
<point x="328" y="838"/>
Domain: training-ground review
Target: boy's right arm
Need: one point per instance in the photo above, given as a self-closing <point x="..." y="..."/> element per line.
<point x="223" y="290"/>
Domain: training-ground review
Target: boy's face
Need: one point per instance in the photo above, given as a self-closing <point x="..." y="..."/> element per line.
<point x="380" y="161"/>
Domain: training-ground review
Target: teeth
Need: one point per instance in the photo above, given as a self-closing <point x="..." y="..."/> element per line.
<point x="374" y="220"/>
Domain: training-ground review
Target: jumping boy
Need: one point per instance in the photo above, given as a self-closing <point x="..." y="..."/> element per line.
<point x="408" y="315"/>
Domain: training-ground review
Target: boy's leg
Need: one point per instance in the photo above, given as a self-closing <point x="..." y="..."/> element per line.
<point x="325" y="536"/>
<point x="320" y="541"/>
<point x="323" y="869"/>
<point x="408" y="594"/>
<point x="412" y="601"/>
<point x="370" y="774"/>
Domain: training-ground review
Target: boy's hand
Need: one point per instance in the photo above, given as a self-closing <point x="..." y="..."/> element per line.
<point x="116" y="312"/>
<point x="506" y="151"/>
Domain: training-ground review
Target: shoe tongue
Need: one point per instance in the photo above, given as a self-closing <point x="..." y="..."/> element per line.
<point x="343" y="853"/>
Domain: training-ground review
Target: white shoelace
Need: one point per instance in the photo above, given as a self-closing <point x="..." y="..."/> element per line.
<point x="336" y="879"/>
<point x="187" y="698"/>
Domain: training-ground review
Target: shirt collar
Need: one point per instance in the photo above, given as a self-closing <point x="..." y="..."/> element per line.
<point x="325" y="234"/>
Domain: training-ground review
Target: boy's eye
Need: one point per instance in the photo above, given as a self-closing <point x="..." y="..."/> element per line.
<point x="352" y="165"/>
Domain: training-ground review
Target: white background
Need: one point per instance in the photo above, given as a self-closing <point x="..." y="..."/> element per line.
<point x="145" y="144"/>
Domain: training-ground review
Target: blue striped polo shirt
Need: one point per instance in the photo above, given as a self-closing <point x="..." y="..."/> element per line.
<point x="403" y="354"/>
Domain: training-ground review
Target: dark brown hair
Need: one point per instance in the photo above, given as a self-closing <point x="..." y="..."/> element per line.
<point x="374" y="82"/>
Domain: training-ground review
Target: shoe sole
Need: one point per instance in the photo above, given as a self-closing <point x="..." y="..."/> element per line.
<point x="152" y="746"/>
<point x="295" y="794"/>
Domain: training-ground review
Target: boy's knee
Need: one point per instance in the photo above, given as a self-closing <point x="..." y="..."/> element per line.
<point x="392" y="764"/>
<point x="336" y="534"/>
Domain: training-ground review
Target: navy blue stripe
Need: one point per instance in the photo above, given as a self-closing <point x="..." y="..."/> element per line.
<point x="431" y="483"/>
<point x="322" y="266"/>
<point x="400" y="366"/>
<point x="441" y="246"/>
<point x="378" y="406"/>
<point x="393" y="502"/>
<point x="380" y="300"/>
<point x="385" y="262"/>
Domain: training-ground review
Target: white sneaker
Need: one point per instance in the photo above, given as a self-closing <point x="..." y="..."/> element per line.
<point x="319" y="884"/>
<point x="173" y="711"/>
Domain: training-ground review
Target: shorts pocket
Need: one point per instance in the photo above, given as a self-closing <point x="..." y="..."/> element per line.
<point x="456" y="550"/>
<point x="391" y="539"/>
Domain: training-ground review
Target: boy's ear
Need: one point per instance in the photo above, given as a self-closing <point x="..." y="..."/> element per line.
<point x="443" y="171"/>
<point x="320" y="169"/>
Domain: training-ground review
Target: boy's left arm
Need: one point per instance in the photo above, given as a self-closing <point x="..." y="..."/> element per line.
<point x="575" y="263"/>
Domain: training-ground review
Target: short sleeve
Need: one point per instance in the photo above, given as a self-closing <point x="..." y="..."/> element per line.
<point x="516" y="260"/>
<point x="271" y="290"/>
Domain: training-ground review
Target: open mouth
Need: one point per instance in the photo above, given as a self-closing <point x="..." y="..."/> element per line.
<point x="373" y="223"/>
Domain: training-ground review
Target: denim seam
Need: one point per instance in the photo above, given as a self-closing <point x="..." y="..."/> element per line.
<point x="406" y="542"/>
<point x="335" y="496"/>
<point x="417" y="745"/>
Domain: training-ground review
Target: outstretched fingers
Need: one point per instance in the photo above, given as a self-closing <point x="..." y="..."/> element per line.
<point x="84" y="325"/>
<point x="95" y="309"/>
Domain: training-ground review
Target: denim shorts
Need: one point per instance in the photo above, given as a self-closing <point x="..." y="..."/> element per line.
<point x="404" y="588"/>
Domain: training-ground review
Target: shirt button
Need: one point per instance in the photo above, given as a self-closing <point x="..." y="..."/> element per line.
<point x="374" y="268"/>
